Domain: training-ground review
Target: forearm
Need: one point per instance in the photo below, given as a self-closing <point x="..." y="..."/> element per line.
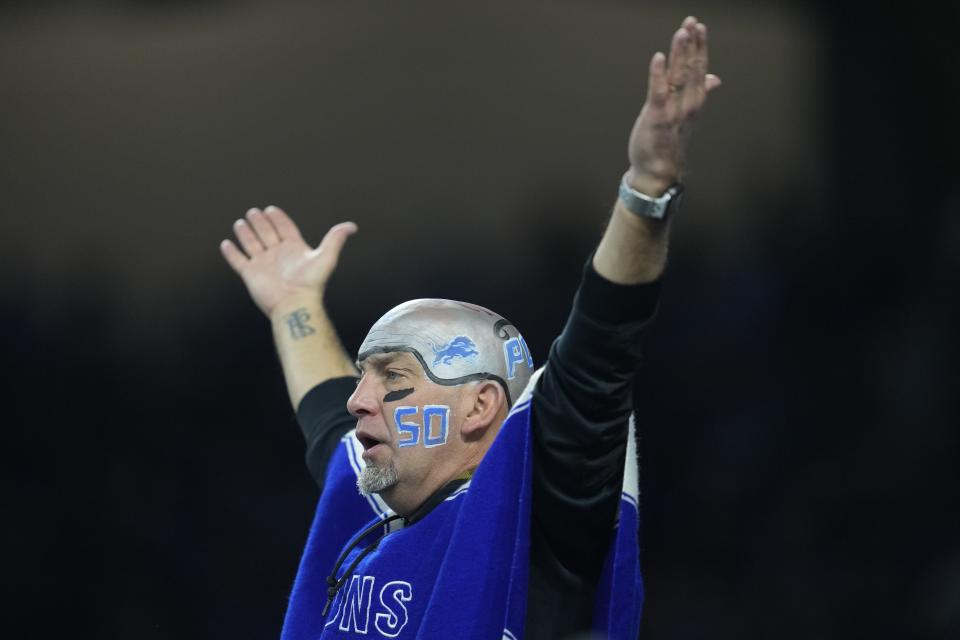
<point x="633" y="249"/>
<point x="308" y="346"/>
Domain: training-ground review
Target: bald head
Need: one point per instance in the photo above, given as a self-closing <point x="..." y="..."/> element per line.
<point x="455" y="342"/>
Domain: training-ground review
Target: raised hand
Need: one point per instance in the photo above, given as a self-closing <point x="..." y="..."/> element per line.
<point x="676" y="91"/>
<point x="276" y="264"/>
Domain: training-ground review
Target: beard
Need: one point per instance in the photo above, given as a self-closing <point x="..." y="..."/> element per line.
<point x="374" y="479"/>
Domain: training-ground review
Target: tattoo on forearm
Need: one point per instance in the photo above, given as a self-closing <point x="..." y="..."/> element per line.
<point x="297" y="323"/>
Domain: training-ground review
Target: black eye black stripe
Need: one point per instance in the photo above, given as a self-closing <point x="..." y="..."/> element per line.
<point x="400" y="394"/>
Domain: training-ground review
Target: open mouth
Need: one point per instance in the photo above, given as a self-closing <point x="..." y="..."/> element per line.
<point x="368" y="442"/>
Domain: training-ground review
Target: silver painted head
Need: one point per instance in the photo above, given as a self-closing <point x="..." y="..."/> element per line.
<point x="455" y="342"/>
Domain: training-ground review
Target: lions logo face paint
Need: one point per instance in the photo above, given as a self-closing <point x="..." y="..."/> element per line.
<point x="459" y="347"/>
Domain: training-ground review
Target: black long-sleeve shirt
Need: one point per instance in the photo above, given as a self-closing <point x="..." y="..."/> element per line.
<point x="579" y="413"/>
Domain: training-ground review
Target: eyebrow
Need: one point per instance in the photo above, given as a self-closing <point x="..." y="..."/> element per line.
<point x="378" y="360"/>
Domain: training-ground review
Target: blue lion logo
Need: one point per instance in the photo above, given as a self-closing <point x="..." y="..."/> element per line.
<point x="459" y="347"/>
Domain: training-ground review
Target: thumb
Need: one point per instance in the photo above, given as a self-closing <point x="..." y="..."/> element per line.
<point x="327" y="252"/>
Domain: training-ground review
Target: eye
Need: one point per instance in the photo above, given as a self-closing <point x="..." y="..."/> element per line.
<point x="392" y="375"/>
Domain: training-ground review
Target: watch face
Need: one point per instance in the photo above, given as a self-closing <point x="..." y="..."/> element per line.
<point x="643" y="205"/>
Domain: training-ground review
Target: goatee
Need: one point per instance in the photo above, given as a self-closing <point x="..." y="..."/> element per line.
<point x="374" y="479"/>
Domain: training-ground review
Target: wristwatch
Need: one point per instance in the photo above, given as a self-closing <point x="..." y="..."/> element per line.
<point x="643" y="205"/>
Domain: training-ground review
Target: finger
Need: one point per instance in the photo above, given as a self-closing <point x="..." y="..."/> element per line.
<point x="699" y="62"/>
<point x="678" y="63"/>
<point x="688" y="60"/>
<point x="263" y="227"/>
<point x="711" y="82"/>
<point x="248" y="239"/>
<point x="658" y="89"/>
<point x="235" y="258"/>
<point x="333" y="242"/>
<point x="286" y="227"/>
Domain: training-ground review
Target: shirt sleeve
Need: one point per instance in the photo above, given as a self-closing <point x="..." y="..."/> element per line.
<point x="323" y="419"/>
<point x="580" y="412"/>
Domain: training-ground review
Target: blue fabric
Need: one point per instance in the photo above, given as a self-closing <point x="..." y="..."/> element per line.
<point x="341" y="513"/>
<point x="620" y="592"/>
<point x="460" y="572"/>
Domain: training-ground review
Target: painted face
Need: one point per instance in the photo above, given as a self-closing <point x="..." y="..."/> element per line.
<point x="415" y="360"/>
<point x="405" y="421"/>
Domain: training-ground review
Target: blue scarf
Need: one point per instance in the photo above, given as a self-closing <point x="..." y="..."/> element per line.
<point x="461" y="571"/>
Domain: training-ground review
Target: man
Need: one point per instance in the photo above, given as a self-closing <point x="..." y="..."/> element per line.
<point x="494" y="506"/>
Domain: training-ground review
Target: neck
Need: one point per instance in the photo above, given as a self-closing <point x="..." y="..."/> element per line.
<point x="406" y="501"/>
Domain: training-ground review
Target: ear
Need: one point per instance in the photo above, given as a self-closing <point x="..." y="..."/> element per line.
<point x="486" y="406"/>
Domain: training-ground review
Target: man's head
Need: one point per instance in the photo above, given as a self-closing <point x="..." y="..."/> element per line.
<point x="438" y="378"/>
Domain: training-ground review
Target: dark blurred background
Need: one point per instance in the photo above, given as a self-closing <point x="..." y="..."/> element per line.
<point x="799" y="403"/>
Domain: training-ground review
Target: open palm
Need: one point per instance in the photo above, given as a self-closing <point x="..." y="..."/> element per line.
<point x="276" y="263"/>
<point x="676" y="92"/>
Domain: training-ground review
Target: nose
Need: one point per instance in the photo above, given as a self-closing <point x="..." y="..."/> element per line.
<point x="362" y="402"/>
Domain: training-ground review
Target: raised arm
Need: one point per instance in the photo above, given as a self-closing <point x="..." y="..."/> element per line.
<point x="634" y="248"/>
<point x="582" y="402"/>
<point x="287" y="279"/>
